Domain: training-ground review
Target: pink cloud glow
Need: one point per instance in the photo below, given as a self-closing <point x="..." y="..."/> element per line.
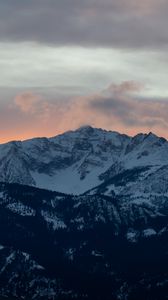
<point x="117" y="108"/>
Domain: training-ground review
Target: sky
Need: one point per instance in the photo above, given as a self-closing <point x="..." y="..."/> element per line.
<point x="69" y="63"/>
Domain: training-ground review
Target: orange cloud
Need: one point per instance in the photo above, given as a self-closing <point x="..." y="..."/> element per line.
<point x="27" y="102"/>
<point x="118" y="107"/>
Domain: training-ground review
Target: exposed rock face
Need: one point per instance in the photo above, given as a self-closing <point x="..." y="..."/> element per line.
<point x="82" y="159"/>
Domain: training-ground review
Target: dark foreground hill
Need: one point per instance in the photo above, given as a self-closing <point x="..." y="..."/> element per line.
<point x="57" y="246"/>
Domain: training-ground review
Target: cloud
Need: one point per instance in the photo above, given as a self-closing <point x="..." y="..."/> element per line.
<point x="37" y="107"/>
<point x="131" y="110"/>
<point x="124" y="88"/>
<point x="28" y="102"/>
<point x="119" y="107"/>
<point x="116" y="23"/>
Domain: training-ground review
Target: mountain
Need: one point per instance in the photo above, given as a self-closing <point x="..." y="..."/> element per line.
<point x="78" y="161"/>
<point x="20" y="276"/>
<point x="57" y="246"/>
<point x="84" y="215"/>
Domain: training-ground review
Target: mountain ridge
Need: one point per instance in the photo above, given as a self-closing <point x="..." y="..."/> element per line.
<point x="83" y="247"/>
<point x="78" y="158"/>
<point x="109" y="242"/>
<point x="80" y="129"/>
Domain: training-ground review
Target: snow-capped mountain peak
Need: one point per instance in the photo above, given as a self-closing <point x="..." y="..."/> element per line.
<point x="79" y="160"/>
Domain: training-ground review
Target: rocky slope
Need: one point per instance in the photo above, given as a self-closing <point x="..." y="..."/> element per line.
<point x="23" y="278"/>
<point x="108" y="241"/>
<point x="83" y="159"/>
<point x="57" y="246"/>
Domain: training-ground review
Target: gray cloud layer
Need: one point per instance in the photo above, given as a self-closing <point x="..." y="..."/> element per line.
<point x="120" y="102"/>
<point x="116" y="23"/>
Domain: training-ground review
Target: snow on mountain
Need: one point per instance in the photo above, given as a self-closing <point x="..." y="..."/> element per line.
<point x="48" y="238"/>
<point x="54" y="245"/>
<point x="80" y="160"/>
<point x="21" y="209"/>
<point x="31" y="281"/>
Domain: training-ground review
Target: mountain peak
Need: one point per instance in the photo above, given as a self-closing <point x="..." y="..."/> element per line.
<point x="86" y="129"/>
<point x="79" y="158"/>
